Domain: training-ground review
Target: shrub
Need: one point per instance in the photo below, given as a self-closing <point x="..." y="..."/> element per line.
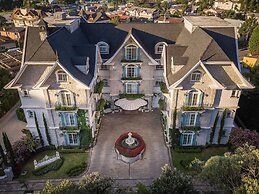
<point x="163" y="87"/>
<point x="192" y="149"/>
<point x="51" y="167"/>
<point x="99" y="87"/>
<point x="2" y="173"/>
<point x="76" y="170"/>
<point x="238" y="137"/>
<point x="100" y="105"/>
<point x="42" y="149"/>
<point x="20" y="114"/>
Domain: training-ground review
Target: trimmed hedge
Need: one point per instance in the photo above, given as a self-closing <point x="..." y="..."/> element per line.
<point x="51" y="167"/>
<point x="193" y="149"/>
<point x="76" y="170"/>
<point x="20" y="114"/>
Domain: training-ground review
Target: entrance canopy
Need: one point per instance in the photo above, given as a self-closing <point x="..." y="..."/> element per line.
<point x="127" y="104"/>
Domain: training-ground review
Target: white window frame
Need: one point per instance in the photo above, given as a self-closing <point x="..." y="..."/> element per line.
<point x="159" y="47"/>
<point x="131" y="88"/>
<point x="131" y="52"/>
<point x="73" y="138"/>
<point x="191" y="99"/>
<point x="196" y="76"/>
<point x="71" y="119"/>
<point x="189" y="138"/>
<point x="131" y="70"/>
<point x="61" y="74"/>
<point x="65" y="96"/>
<point x="103" y="47"/>
<point x="234" y="93"/>
<point x="190" y="116"/>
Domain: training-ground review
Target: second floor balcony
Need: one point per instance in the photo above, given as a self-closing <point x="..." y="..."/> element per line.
<point x="59" y="106"/>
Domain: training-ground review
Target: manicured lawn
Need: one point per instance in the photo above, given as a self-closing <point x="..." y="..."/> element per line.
<point x="70" y="160"/>
<point x="188" y="157"/>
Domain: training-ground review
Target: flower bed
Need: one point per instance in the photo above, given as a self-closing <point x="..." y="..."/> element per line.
<point x="127" y="152"/>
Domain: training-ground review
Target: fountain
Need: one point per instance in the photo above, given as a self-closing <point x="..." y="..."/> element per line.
<point x="130" y="147"/>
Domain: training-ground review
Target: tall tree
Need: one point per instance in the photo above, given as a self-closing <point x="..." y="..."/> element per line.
<point x="38" y="130"/>
<point x="247" y="27"/>
<point x="46" y="129"/>
<point x="9" y="148"/>
<point x="253" y="43"/>
<point x="3" y="155"/>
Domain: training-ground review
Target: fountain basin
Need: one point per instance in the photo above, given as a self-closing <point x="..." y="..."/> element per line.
<point x="130" y="153"/>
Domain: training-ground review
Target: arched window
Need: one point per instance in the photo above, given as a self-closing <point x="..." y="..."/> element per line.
<point x="132" y="71"/>
<point x="61" y="76"/>
<point x="194" y="98"/>
<point x="66" y="98"/>
<point x="131" y="52"/>
<point x="103" y="47"/>
<point x="159" y="47"/>
<point x="196" y="76"/>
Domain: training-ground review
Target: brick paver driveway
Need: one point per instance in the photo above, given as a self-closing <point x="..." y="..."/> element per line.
<point x="104" y="158"/>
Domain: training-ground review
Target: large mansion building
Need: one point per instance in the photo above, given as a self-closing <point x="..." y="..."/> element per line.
<point x="195" y="64"/>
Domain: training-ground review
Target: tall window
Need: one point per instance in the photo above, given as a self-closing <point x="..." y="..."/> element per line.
<point x="131" y="71"/>
<point x="131" y="88"/>
<point x="193" y="98"/>
<point x="70" y="119"/>
<point x="61" y="76"/>
<point x="187" y="139"/>
<point x="196" y="76"/>
<point x="66" y="98"/>
<point x="131" y="52"/>
<point x="191" y="119"/>
<point x="103" y="47"/>
<point x="73" y="138"/>
<point x="29" y="113"/>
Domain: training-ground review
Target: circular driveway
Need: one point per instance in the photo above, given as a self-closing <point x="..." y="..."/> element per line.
<point x="148" y="125"/>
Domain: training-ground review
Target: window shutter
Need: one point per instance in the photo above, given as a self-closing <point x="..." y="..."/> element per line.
<point x="76" y="123"/>
<point x="181" y="139"/>
<point x="194" y="139"/>
<point x="77" y="139"/>
<point x="138" y="53"/>
<point x="186" y="99"/>
<point x="66" y="139"/>
<point x="59" y="99"/>
<point x="124" y="71"/>
<point x="66" y="119"/>
<point x="200" y="99"/>
<point x="138" y="71"/>
<point x="124" y="88"/>
<point x="182" y="119"/>
<point x="138" y="85"/>
<point x="125" y="53"/>
<point x="62" y="119"/>
<point x="197" y="122"/>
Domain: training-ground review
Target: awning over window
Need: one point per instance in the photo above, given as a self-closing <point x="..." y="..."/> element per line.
<point x="127" y="104"/>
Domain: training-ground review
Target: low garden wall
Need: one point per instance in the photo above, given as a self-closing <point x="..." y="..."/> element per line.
<point x="46" y="160"/>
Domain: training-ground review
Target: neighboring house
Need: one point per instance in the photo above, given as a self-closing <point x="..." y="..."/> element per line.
<point x="27" y="17"/>
<point x="95" y="17"/>
<point x="227" y="5"/>
<point x="121" y="16"/>
<point x="13" y="33"/>
<point x="140" y="12"/>
<point x="7" y="43"/>
<point x="198" y="65"/>
<point x="171" y="20"/>
<point x="251" y="61"/>
<point x="11" y="60"/>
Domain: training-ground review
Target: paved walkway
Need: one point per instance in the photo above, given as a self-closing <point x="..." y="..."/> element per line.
<point x="148" y="125"/>
<point x="10" y="124"/>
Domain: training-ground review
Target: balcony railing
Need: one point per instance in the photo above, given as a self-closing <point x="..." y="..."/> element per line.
<point x="125" y="60"/>
<point x="191" y="128"/>
<point x="63" y="107"/>
<point x="68" y="128"/>
<point x="131" y="78"/>
<point x="192" y="108"/>
<point x="131" y="96"/>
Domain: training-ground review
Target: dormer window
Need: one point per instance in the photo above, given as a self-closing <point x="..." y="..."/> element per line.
<point x="103" y="47"/>
<point x="196" y="76"/>
<point x="159" y="47"/>
<point x="61" y="76"/>
<point x="29" y="113"/>
<point x="25" y="93"/>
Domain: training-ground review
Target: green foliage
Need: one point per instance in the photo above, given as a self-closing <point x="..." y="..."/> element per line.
<point x="131" y="96"/>
<point x="51" y="167"/>
<point x="232" y="14"/>
<point x="9" y="149"/>
<point x="46" y="129"/>
<point x="20" y="114"/>
<point x="233" y="171"/>
<point x="191" y="108"/>
<point x="65" y="108"/>
<point x="3" y="156"/>
<point x="76" y="170"/>
<point x="222" y="123"/>
<point x="65" y="187"/>
<point x="190" y="128"/>
<point x="142" y="189"/>
<point x="38" y="130"/>
<point x="2" y="173"/>
<point x="162" y="104"/>
<point x="254" y="41"/>
<point x="249" y="6"/>
<point x="95" y="183"/>
<point x="115" y="20"/>
<point x="174" y="118"/>
<point x="163" y="87"/>
<point x="247" y="27"/>
<point x="172" y="181"/>
<point x="99" y="87"/>
<point x="186" y="149"/>
<point x="85" y="131"/>
<point x="8" y="98"/>
<point x="214" y="128"/>
<point x="100" y="105"/>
